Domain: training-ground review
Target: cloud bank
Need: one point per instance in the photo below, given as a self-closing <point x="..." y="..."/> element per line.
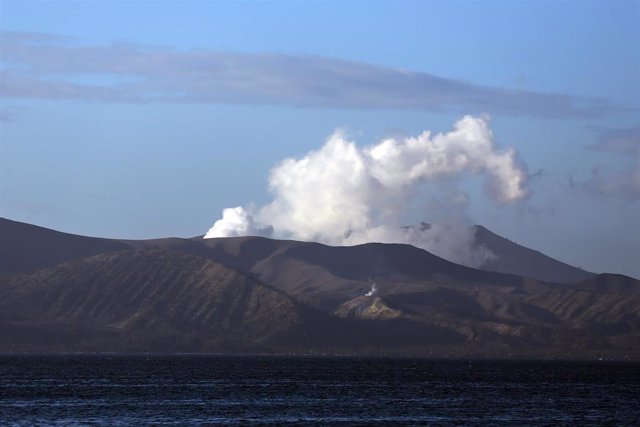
<point x="343" y="194"/>
<point x="47" y="66"/>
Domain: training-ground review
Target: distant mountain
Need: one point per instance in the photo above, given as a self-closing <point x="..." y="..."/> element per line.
<point x="512" y="258"/>
<point x="60" y="292"/>
<point x="515" y="259"/>
<point x="508" y="311"/>
<point x="326" y="276"/>
<point x="26" y="247"/>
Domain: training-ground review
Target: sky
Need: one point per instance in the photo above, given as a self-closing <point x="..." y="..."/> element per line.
<point x="143" y="119"/>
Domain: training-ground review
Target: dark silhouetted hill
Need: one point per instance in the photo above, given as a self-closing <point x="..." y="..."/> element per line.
<point x="25" y="247"/>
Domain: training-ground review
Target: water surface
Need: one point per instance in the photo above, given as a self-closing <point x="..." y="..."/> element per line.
<point x="196" y="390"/>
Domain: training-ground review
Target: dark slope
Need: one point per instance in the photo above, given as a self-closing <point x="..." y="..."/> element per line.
<point x="609" y="283"/>
<point x="360" y="262"/>
<point x="25" y="247"/>
<point x="254" y="294"/>
<point x="154" y="300"/>
<point x="326" y="276"/>
<point x="512" y="258"/>
<point x="152" y="295"/>
<point x="157" y="300"/>
<point x="494" y="312"/>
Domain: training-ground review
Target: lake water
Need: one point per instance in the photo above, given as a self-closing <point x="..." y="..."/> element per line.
<point x="197" y="390"/>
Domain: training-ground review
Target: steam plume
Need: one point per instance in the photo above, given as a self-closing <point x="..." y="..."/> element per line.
<point x="373" y="290"/>
<point x="342" y="194"/>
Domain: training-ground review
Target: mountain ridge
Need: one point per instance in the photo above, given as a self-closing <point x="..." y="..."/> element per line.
<point x="21" y="251"/>
<point x="513" y="257"/>
<point x="258" y="295"/>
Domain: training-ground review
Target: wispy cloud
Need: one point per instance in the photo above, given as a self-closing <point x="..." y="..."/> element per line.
<point x="618" y="140"/>
<point x="47" y="66"/>
<point x="624" y="183"/>
<point x="9" y="113"/>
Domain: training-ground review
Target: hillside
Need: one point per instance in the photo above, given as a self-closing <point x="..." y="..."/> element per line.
<point x="25" y="247"/>
<point x="251" y="294"/>
<point x="150" y="297"/>
<point x="513" y="258"/>
<point x="326" y="276"/>
<point x="154" y="300"/>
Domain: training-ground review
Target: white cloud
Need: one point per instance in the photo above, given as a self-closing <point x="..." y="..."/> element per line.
<point x="342" y="194"/>
<point x="236" y="222"/>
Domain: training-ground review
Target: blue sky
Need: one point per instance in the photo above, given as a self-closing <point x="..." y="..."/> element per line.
<point x="146" y="119"/>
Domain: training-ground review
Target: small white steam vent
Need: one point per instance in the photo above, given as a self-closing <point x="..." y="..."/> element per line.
<point x="373" y="290"/>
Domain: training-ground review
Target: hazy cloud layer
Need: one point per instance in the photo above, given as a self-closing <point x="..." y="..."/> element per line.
<point x="624" y="183"/>
<point x="343" y="194"/>
<point x="53" y="67"/>
<point x="5" y="116"/>
<point x="620" y="140"/>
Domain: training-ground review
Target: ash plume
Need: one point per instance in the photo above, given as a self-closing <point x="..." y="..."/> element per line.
<point x="343" y="194"/>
